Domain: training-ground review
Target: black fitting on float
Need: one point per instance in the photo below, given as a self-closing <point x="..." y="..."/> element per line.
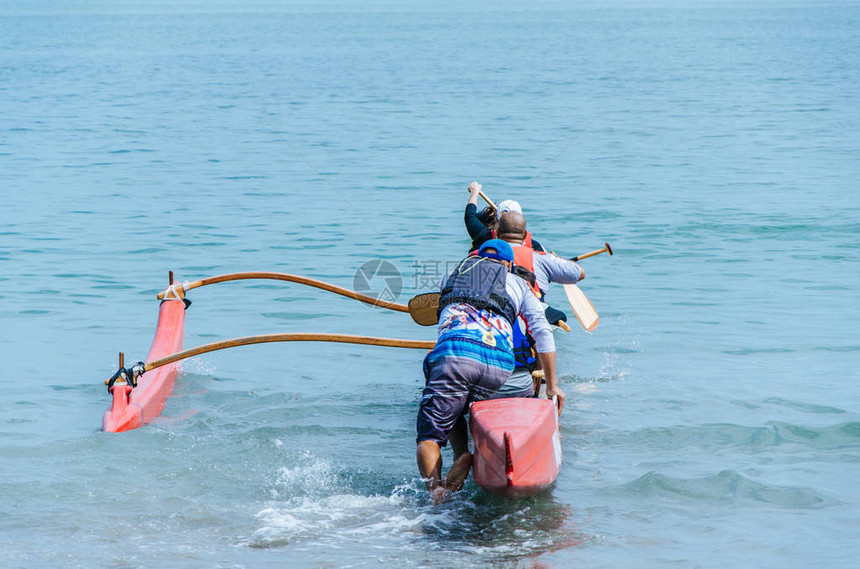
<point x="120" y="374"/>
<point x="128" y="374"/>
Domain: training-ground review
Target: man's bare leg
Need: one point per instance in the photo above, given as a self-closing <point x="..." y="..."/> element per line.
<point x="429" y="457"/>
<point x="458" y="438"/>
<point x="459" y="471"/>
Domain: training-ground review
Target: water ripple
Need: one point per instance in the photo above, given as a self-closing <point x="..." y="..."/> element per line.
<point x="726" y="488"/>
<point x="726" y="437"/>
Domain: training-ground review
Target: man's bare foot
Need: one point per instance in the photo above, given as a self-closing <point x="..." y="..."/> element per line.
<point x="439" y="495"/>
<point x="458" y="472"/>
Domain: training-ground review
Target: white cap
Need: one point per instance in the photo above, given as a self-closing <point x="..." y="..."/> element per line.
<point x="508" y="205"/>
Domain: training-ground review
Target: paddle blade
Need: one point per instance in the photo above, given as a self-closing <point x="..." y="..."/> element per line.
<point x="582" y="307"/>
<point x="424" y="308"/>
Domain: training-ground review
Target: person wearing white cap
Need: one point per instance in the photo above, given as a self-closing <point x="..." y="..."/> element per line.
<point x="482" y="226"/>
<point x="506" y="206"/>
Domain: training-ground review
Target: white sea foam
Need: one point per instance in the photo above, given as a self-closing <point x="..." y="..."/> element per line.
<point x="199" y="366"/>
<point x="314" y="504"/>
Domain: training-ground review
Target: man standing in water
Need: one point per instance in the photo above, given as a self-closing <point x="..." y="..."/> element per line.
<point x="473" y="357"/>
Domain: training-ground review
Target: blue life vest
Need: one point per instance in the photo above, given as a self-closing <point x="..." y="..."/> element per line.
<point x="523" y="344"/>
<point x="479" y="282"/>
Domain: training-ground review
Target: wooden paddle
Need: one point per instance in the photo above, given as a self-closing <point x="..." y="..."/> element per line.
<point x="424" y="308"/>
<point x="606" y="249"/>
<point x="488" y="200"/>
<point x="266" y="338"/>
<point x="582" y="308"/>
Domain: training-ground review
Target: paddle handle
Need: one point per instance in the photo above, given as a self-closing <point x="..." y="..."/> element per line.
<point x="606" y="249"/>
<point x="486" y="199"/>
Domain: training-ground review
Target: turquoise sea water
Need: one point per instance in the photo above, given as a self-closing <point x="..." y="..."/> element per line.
<point x="713" y="417"/>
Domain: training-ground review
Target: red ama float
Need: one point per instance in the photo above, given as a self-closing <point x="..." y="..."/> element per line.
<point x="517" y="445"/>
<point x="132" y="407"/>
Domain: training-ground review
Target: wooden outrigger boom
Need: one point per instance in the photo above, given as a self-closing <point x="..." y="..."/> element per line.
<point x="138" y="393"/>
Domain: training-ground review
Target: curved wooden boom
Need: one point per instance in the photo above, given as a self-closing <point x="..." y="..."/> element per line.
<point x="180" y="290"/>
<point x="292" y="337"/>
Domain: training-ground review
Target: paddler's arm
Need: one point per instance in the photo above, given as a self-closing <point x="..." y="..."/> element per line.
<point x="547" y="362"/>
<point x="552" y="269"/>
<point x="533" y="311"/>
<point x="477" y="230"/>
<point x="474" y="192"/>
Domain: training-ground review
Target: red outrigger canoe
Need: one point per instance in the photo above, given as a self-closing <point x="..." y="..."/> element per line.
<point x="132" y="407"/>
<point x="517" y="445"/>
<point x="516" y="441"/>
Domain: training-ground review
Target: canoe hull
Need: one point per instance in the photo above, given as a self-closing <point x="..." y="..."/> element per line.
<point x="517" y="445"/>
<point x="133" y="407"/>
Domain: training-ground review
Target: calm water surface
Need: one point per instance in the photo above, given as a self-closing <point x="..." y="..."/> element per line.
<point x="713" y="417"/>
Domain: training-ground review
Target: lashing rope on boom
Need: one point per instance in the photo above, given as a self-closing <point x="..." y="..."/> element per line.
<point x="127" y="375"/>
<point x="176" y="291"/>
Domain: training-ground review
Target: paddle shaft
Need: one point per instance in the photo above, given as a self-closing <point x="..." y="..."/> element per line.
<point x="486" y="199"/>
<point x="290" y="278"/>
<point x="606" y="249"/>
<point x="293" y="337"/>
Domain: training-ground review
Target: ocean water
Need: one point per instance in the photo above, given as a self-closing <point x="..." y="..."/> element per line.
<point x="713" y="418"/>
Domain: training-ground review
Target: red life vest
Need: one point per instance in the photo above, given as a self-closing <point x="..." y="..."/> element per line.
<point x="524" y="257"/>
